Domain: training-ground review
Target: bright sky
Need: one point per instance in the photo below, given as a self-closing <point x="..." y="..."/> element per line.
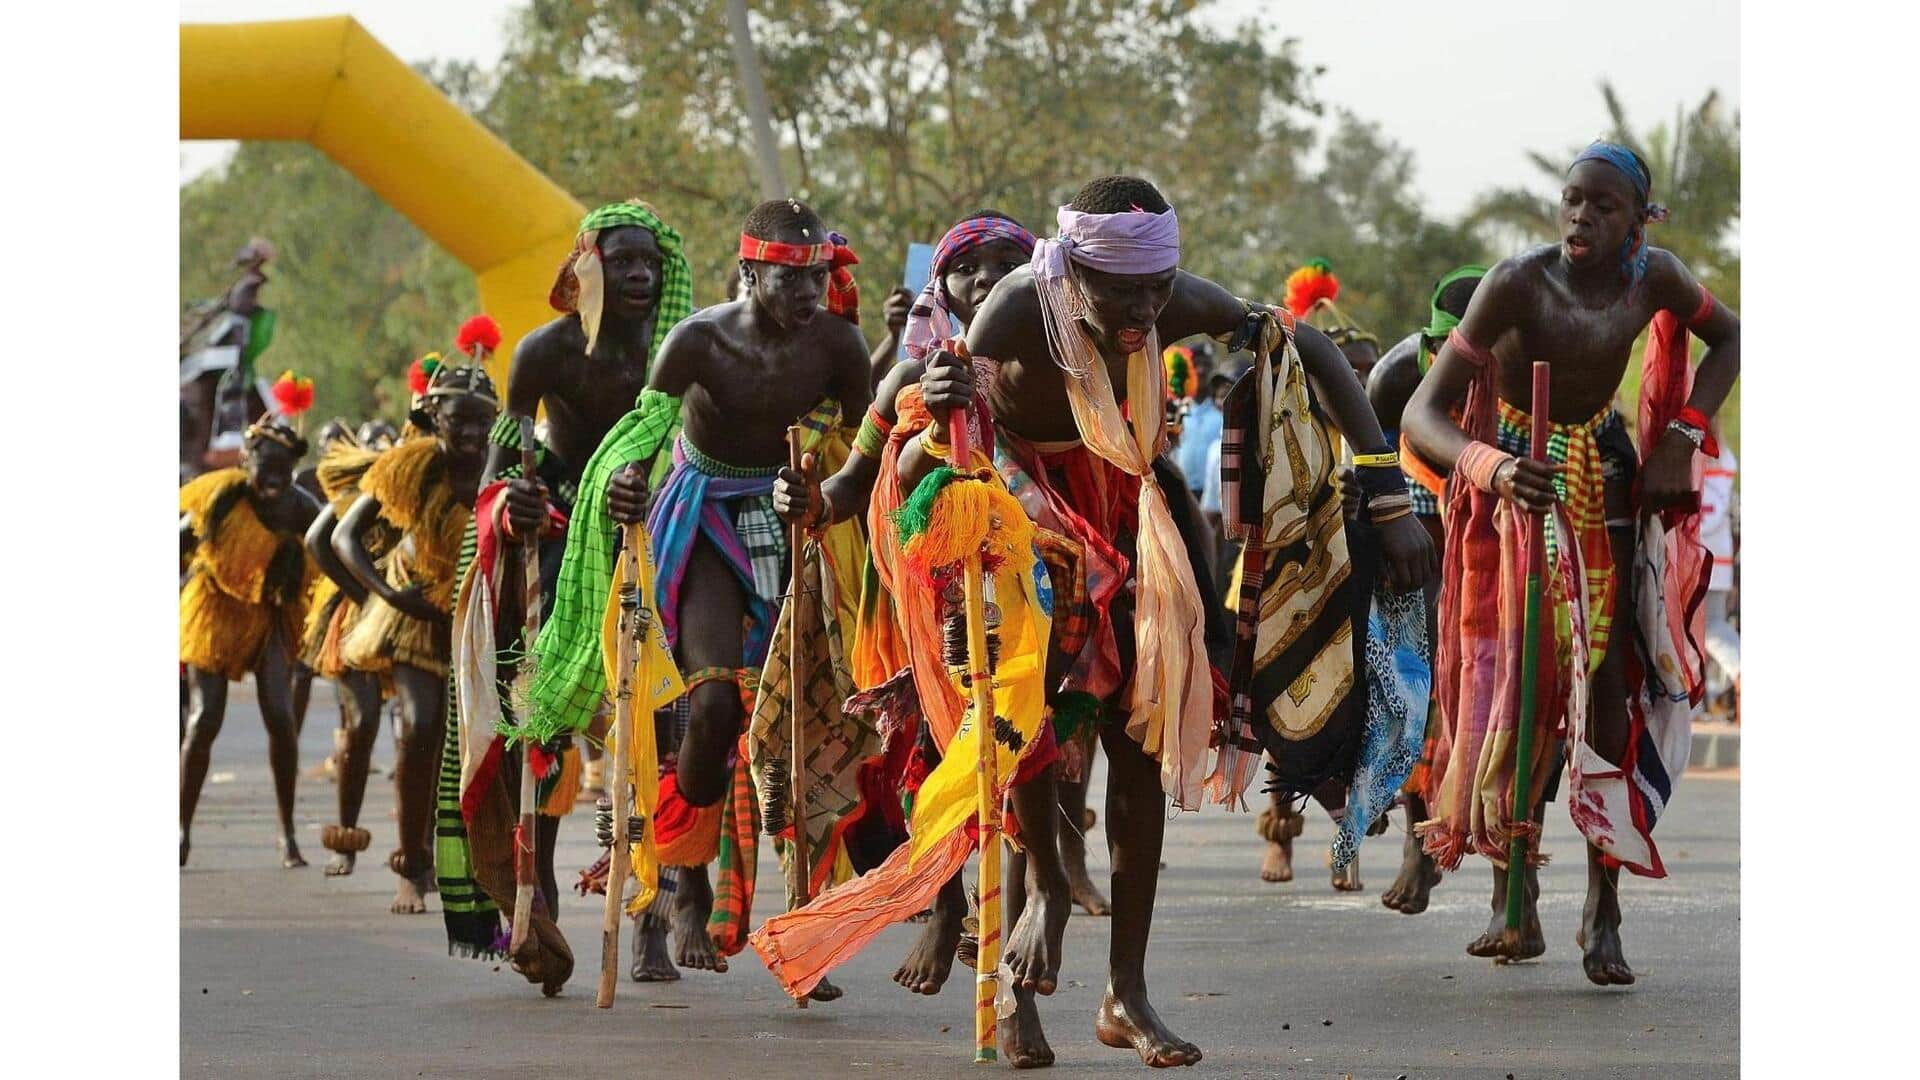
<point x="1468" y="87"/>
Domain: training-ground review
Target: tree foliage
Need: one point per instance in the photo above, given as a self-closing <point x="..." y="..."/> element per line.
<point x="895" y="117"/>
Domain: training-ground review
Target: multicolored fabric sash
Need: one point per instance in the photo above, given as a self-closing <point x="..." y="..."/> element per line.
<point x="930" y="320"/>
<point x="1171" y="713"/>
<point x="1399" y="684"/>
<point x="1301" y="613"/>
<point x="695" y="502"/>
<point x="843" y="295"/>
<point x="579" y="286"/>
<point x="837" y="741"/>
<point x="569" y="683"/>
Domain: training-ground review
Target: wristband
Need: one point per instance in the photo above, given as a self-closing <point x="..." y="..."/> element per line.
<point x="1479" y="463"/>
<point x="934" y="447"/>
<point x="1388" y="460"/>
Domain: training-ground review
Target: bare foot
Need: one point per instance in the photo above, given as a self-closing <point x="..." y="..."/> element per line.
<point x="692" y="904"/>
<point x="1277" y="864"/>
<point x="1033" y="946"/>
<point x="1409" y="892"/>
<point x="340" y="865"/>
<point x="1279" y="831"/>
<point x="823" y="991"/>
<point x="290" y="854"/>
<point x="1073" y="859"/>
<point x="651" y="962"/>
<point x="1502" y="945"/>
<point x="1132" y="1023"/>
<point x="407" y="898"/>
<point x="1601" y="953"/>
<point x="929" y="963"/>
<point x="1022" y="1042"/>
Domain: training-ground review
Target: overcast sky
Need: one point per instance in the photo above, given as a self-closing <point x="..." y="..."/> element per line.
<point x="1469" y="87"/>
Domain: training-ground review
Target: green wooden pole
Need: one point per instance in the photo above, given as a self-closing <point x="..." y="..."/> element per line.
<point x="1529" y="675"/>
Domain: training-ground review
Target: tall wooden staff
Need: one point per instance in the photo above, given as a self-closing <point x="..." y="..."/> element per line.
<point x="633" y="631"/>
<point x="799" y="880"/>
<point x="986" y="979"/>
<point x="1517" y="851"/>
<point x="524" y="874"/>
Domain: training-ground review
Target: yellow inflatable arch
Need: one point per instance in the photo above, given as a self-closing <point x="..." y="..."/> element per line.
<point x="327" y="82"/>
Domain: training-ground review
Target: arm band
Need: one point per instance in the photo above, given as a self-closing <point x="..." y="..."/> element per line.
<point x="1478" y="463"/>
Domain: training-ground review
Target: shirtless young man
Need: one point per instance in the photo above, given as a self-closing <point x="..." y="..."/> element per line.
<point x="1105" y="296"/>
<point x="739" y="375"/>
<point x="1579" y="306"/>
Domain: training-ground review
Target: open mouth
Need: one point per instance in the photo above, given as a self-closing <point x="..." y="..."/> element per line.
<point x="1132" y="340"/>
<point x="638" y="299"/>
<point x="1578" y="246"/>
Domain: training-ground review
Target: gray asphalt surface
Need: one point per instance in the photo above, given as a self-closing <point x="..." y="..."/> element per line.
<point x="291" y="974"/>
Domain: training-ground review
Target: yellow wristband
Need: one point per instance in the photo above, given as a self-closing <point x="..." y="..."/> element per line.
<point x="1377" y="461"/>
<point x="930" y="445"/>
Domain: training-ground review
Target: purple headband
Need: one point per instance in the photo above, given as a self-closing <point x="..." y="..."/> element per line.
<point x="1132" y="242"/>
<point x="930" y="321"/>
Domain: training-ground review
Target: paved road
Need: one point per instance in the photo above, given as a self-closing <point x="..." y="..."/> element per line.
<point x="290" y="974"/>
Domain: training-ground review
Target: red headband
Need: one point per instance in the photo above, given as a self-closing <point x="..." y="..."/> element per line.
<point x="843" y="296"/>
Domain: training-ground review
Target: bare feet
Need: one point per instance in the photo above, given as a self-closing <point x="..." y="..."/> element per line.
<point x="1409" y="892"/>
<point x="1601" y="955"/>
<point x="1279" y="831"/>
<point x="1033" y="946"/>
<point x="651" y="962"/>
<point x="1022" y="1043"/>
<point x="1277" y="864"/>
<point x="823" y="991"/>
<point x="929" y="963"/>
<point x="1130" y="1022"/>
<point x="340" y="865"/>
<point x="289" y="854"/>
<point x="1073" y="859"/>
<point x="692" y="904"/>
<point x="407" y="898"/>
<point x="1511" y="947"/>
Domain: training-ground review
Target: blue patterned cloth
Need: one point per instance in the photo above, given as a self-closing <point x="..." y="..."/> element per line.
<point x="1399" y="682"/>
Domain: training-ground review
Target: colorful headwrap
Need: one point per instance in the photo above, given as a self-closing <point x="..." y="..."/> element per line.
<point x="931" y="320"/>
<point x="1440" y="322"/>
<point x="843" y="296"/>
<point x="579" y="287"/>
<point x="1633" y="254"/>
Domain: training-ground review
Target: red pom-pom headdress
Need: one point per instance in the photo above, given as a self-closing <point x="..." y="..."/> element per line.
<point x="481" y="333"/>
<point x="421" y="373"/>
<point x="292" y="395"/>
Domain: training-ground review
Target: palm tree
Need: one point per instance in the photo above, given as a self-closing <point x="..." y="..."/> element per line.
<point x="1696" y="171"/>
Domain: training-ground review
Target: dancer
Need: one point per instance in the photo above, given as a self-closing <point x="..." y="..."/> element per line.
<point x="241" y="607"/>
<point x="424" y="490"/>
<point x="1628" y="652"/>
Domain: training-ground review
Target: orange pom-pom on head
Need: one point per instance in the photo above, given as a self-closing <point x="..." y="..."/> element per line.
<point x="480" y="331"/>
<point x="1311" y="284"/>
<point x="292" y="395"/>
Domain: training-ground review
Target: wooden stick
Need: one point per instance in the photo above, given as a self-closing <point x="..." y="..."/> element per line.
<point x="524" y="873"/>
<point x="1529" y="679"/>
<point x="632" y="632"/>
<point x="986" y="978"/>
<point x="799" y="879"/>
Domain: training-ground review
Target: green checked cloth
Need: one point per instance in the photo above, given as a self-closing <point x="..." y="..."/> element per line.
<point x="569" y="674"/>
